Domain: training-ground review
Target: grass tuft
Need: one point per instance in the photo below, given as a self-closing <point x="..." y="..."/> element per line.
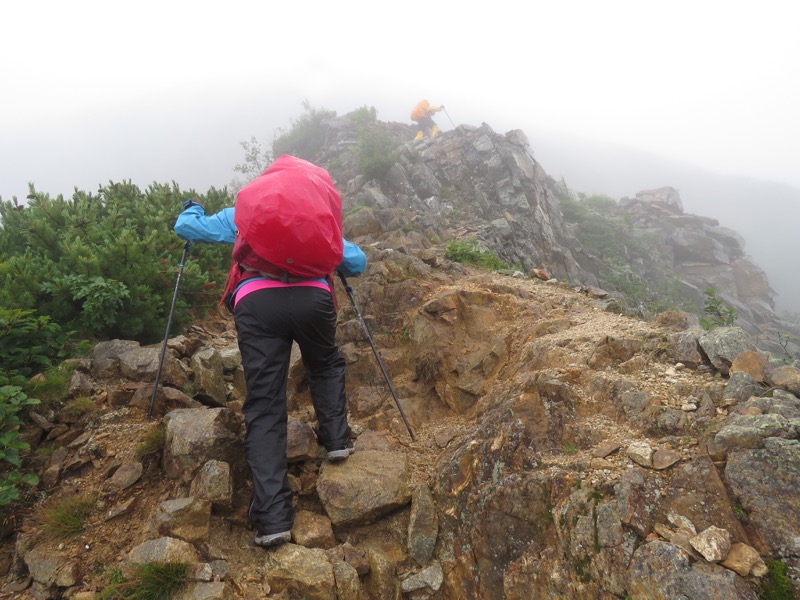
<point x="66" y="517"/>
<point x="149" y="581"/>
<point x="152" y="443"/>
<point x="78" y="407"/>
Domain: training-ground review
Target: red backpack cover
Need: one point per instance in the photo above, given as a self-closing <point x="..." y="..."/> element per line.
<point x="289" y="226"/>
<point x="291" y="216"/>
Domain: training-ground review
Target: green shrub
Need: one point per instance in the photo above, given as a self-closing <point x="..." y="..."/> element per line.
<point x="256" y="160"/>
<point x="105" y="265"/>
<point x="148" y="581"/>
<point x="100" y="299"/>
<point x="470" y="251"/>
<point x="376" y="150"/>
<point x="363" y="117"/>
<point x="602" y="228"/>
<point x="646" y="297"/>
<point x="606" y="231"/>
<point x="28" y="343"/>
<point x="784" y="340"/>
<point x="12" y="401"/>
<point x="717" y="313"/>
<point x="306" y="136"/>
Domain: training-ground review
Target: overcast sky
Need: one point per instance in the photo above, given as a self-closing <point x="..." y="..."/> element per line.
<point x="164" y="91"/>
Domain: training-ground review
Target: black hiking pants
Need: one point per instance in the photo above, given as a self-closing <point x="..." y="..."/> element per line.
<point x="267" y="321"/>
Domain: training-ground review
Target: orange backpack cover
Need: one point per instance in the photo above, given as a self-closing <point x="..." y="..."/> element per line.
<point x="420" y="110"/>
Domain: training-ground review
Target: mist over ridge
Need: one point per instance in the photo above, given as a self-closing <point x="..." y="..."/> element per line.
<point x="200" y="152"/>
<point x="765" y="213"/>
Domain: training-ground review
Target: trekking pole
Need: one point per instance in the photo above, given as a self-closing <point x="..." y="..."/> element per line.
<point x="448" y="116"/>
<point x="166" y="333"/>
<point x="349" y="291"/>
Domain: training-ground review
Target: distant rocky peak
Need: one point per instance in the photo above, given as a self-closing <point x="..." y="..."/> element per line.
<point x="667" y="198"/>
<point x="474" y="183"/>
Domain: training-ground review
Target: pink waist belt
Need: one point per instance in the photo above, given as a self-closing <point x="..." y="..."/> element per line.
<point x="262" y="284"/>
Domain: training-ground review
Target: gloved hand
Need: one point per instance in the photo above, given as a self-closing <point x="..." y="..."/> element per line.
<point x="190" y="202"/>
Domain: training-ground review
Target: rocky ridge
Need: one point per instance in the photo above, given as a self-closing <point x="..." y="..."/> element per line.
<point x="563" y="447"/>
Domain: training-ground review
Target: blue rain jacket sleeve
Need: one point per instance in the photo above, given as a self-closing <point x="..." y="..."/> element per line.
<point x="354" y="261"/>
<point x="193" y="225"/>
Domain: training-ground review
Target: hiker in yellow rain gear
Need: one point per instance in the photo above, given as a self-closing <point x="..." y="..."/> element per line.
<point x="421" y="113"/>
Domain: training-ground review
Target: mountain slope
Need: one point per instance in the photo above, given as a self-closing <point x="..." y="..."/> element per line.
<point x="563" y="447"/>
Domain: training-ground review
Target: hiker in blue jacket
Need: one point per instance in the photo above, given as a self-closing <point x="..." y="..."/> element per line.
<point x="270" y="314"/>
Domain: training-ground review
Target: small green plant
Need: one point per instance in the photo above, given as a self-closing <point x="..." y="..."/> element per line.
<point x="469" y="251"/>
<point x="148" y="581"/>
<point x="354" y="209"/>
<point x="776" y="585"/>
<point x="570" y="449"/>
<point x="740" y="513"/>
<point x="45" y="449"/>
<point x="582" y="569"/>
<point x="256" y="160"/>
<point x="152" y="443"/>
<point x="66" y="517"/>
<point x="784" y="339"/>
<point x="11" y="482"/>
<point x="717" y="313"/>
<point x="113" y="577"/>
<point x="12" y="401"/>
<point x="189" y="389"/>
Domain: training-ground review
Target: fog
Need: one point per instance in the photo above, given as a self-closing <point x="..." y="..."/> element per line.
<point x="165" y="92"/>
<point x="765" y="213"/>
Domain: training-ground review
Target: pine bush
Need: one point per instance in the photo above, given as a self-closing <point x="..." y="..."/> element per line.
<point x="105" y="264"/>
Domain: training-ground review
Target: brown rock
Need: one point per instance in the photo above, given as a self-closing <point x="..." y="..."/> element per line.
<point x="664" y="458"/>
<point x="713" y="543"/>
<point x="128" y="474"/>
<point x="313" y="530"/>
<point x="605" y="449"/>
<point x="787" y="378"/>
<point x="542" y="274"/>
<point x="753" y="363"/>
<point x="741" y="558"/>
